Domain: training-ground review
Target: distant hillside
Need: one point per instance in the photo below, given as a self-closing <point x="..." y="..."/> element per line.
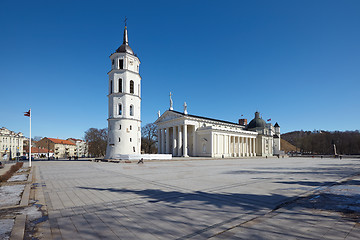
<point x="321" y="142"/>
<point x="286" y="146"/>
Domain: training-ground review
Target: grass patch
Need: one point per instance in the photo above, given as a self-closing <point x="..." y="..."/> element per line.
<point x="11" y="171"/>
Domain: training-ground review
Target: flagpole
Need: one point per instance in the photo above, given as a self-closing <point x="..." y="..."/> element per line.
<point x="30" y="142"/>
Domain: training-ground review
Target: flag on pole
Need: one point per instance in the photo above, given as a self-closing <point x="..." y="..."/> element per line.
<point x="28" y="114"/>
<point x="269" y="120"/>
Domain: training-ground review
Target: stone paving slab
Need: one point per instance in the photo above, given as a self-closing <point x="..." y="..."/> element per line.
<point x="193" y="199"/>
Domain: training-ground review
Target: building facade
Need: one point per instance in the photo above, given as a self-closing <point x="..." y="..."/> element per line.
<point x="81" y="147"/>
<point x="39" y="152"/>
<point x="268" y="138"/>
<point x="124" y="120"/>
<point x="183" y="135"/>
<point x="11" y="144"/>
<point x="61" y="148"/>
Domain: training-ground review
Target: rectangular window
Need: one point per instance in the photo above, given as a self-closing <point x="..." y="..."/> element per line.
<point x="120" y="85"/>
<point x="120" y="111"/>
<point x="121" y="64"/>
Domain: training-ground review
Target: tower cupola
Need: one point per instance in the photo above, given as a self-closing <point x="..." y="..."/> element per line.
<point x="125" y="48"/>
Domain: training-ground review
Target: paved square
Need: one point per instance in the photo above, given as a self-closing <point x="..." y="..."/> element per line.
<point x="193" y="199"/>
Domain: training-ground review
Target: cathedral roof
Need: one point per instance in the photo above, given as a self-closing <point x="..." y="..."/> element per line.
<point x="125" y="48"/>
<point x="276" y="125"/>
<point x="257" y="122"/>
<point x="211" y="119"/>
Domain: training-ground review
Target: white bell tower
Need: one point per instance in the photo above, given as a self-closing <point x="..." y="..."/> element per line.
<point x="124" y="122"/>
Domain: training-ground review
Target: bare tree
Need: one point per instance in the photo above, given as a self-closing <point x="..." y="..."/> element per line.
<point x="149" y="138"/>
<point x="97" y="140"/>
<point x="37" y="138"/>
<point x="321" y="142"/>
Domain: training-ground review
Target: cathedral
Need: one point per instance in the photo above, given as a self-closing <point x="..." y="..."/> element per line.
<point x="182" y="135"/>
<point x="179" y="134"/>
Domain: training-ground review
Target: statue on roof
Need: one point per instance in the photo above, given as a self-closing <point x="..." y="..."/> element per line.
<point x="171" y="102"/>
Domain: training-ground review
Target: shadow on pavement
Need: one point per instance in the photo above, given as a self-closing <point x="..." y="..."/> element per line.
<point x="343" y="198"/>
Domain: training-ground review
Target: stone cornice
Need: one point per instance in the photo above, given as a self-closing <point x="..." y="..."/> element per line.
<point x="123" y="70"/>
<point x="121" y="94"/>
<point x="123" y="118"/>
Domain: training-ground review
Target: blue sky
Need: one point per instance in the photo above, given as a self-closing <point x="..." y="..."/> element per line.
<point x="297" y="62"/>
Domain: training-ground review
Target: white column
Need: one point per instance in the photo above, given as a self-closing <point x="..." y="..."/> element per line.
<point x="238" y="146"/>
<point x="223" y="147"/>
<point x="250" y="146"/>
<point x="254" y="146"/>
<point x="218" y="143"/>
<point x="159" y="140"/>
<point x="242" y="147"/>
<point x="163" y="150"/>
<point x="167" y="140"/>
<point x="174" y="152"/>
<point x="185" y="153"/>
<point x="234" y="149"/>
<point x="215" y="144"/>
<point x="212" y="145"/>
<point x="194" y="143"/>
<point x="179" y="141"/>
<point x="228" y="145"/>
<point x="246" y="147"/>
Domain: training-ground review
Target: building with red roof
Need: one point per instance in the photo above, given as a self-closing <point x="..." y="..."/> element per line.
<point x="62" y="148"/>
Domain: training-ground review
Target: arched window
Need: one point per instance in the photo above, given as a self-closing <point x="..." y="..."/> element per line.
<point x="111" y="87"/>
<point x="120" y="85"/>
<point x="120" y="109"/>
<point x="130" y="127"/>
<point x="119" y="139"/>
<point x="131" y="110"/>
<point x="120" y="127"/>
<point x="131" y="86"/>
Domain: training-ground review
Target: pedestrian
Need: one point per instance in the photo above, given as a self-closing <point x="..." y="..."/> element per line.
<point x="141" y="161"/>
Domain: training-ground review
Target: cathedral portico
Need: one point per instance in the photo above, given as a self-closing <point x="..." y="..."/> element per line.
<point x="171" y="139"/>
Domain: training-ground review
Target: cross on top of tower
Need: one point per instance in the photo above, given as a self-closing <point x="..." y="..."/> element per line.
<point x="125" y="21"/>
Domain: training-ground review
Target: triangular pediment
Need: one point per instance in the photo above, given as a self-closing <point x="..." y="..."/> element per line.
<point x="167" y="116"/>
